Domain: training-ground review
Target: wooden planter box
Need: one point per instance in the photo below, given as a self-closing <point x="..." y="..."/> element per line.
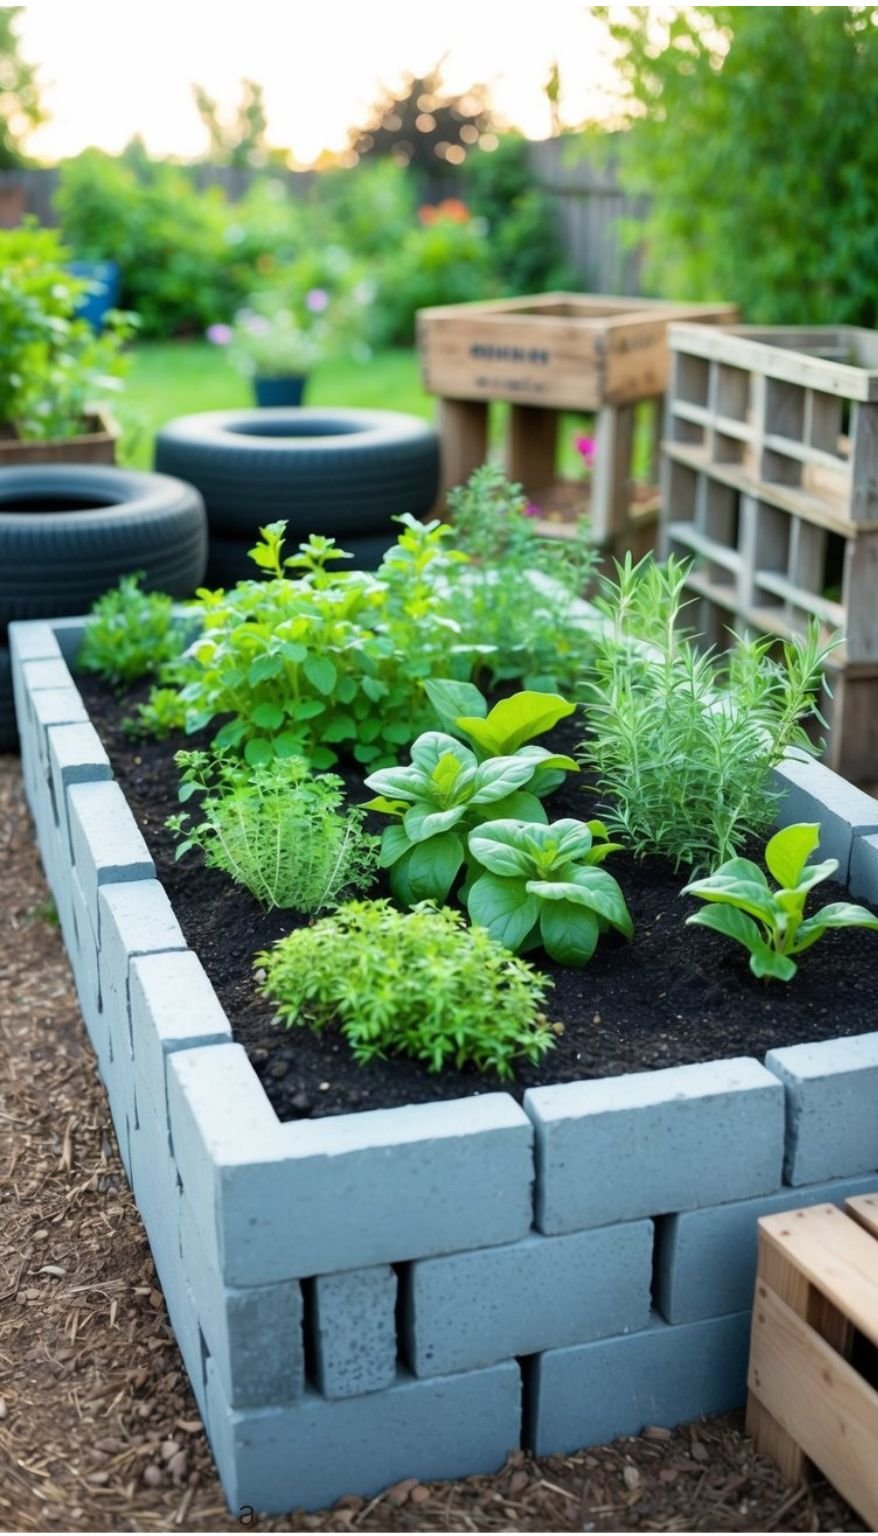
<point x="95" y="445"/>
<point x="545" y="354"/>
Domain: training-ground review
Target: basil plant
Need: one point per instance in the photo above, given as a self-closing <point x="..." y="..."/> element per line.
<point x="772" y="924"/>
<point x="543" y="885"/>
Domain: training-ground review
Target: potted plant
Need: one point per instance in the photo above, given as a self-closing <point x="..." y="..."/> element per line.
<point x="54" y="369"/>
<point x="276" y="348"/>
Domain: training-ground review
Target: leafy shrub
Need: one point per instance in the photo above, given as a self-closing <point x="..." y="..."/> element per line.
<point x="532" y="630"/>
<point x="53" y="367"/>
<point x="130" y="633"/>
<point x="275" y="829"/>
<point x="367" y="209"/>
<point x="415" y="984"/>
<point x="522" y="222"/>
<point x="162" y="715"/>
<point x="772" y="924"/>
<point x="444" y="262"/>
<point x="681" y="741"/>
<point x="542" y="886"/>
<point x="330" y="662"/>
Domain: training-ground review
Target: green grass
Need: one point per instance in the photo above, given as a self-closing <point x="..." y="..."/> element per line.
<point x="176" y="378"/>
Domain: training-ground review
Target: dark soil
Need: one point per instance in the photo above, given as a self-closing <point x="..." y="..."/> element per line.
<point x="675" y="995"/>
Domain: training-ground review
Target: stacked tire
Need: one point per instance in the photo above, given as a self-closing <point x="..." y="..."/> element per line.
<point x="344" y="474"/>
<point x="69" y="531"/>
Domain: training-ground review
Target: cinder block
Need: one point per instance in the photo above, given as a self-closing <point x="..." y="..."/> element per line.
<point x="135" y="918"/>
<point x="812" y="792"/>
<point x="173" y="1008"/>
<point x="471" y="1309"/>
<point x="279" y="1459"/>
<point x="253" y="1333"/>
<point x="107" y="844"/>
<point x="82" y="952"/>
<point x="864" y="869"/>
<point x="32" y="640"/>
<point x="28" y="641"/>
<point x="69" y="634"/>
<point x="706" y="1260"/>
<point x="353" y="1331"/>
<point x="595" y="1392"/>
<point x="832" y="1107"/>
<point x="76" y="756"/>
<point x="651" y="1142"/>
<point x="156" y="1186"/>
<point x="318" y="1196"/>
<point x="51" y="672"/>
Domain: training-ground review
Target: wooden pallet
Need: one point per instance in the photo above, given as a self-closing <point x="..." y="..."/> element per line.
<point x="813" y="1378"/>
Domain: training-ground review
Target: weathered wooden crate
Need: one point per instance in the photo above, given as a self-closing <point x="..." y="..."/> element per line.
<point x="545" y="354"/>
<point x="95" y="445"/>
<point x="770" y="485"/>
<point x="814" y="1348"/>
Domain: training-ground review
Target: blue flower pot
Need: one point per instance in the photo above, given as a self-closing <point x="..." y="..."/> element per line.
<point x="103" y="294"/>
<point x="289" y="389"/>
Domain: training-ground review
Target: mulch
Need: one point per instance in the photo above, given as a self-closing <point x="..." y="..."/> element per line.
<point x="98" y="1429"/>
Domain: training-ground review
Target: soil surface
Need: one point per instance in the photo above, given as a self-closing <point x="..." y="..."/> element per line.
<point x="98" y="1428"/>
<point x="673" y="996"/>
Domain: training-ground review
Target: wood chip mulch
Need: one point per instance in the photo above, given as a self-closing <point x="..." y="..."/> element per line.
<point x="98" y="1429"/>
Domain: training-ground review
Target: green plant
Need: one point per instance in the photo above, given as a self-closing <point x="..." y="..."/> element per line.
<point x="276" y="829"/>
<point x="53" y="367"/>
<point x="329" y="662"/>
<point x="681" y="741"/>
<point x="130" y="633"/>
<point x="448" y="788"/>
<point x="20" y="107"/>
<point x="517" y="595"/>
<point x="444" y="261"/>
<point x="162" y="715"/>
<point x="415" y="984"/>
<point x="772" y="924"/>
<point x="542" y="886"/>
<point x="501" y="188"/>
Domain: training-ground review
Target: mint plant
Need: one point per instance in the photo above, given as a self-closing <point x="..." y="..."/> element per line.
<point x="277" y="829"/>
<point x="130" y="633"/>
<point x="417" y="984"/>
<point x="543" y="885"/>
<point x="772" y="924"/>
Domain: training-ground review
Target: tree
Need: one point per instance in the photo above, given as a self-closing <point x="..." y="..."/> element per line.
<point x="20" y="109"/>
<point x="424" y="125"/>
<point x="754" y="132"/>
<point x="242" y="141"/>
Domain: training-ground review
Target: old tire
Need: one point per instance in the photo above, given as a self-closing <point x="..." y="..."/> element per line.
<point x="8" y="727"/>
<point x="69" y="531"/>
<point x="229" y="562"/>
<point x="334" y="472"/>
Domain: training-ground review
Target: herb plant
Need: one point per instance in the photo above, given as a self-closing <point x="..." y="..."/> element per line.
<point x="772" y="924"/>
<point x="682" y="741"/>
<point x="130" y="633"/>
<point x="276" y="829"/>
<point x="543" y="885"/>
<point x="161" y="716"/>
<point x="417" y="984"/>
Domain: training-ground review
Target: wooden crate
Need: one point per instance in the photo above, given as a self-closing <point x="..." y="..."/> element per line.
<point x="770" y="486"/>
<point x="96" y="445"/>
<point x="813" y="1376"/>
<point x="544" y="354"/>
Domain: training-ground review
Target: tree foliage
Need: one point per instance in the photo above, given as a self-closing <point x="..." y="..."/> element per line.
<point x="242" y="141"/>
<point x="424" y="125"/>
<point x="753" y="130"/>
<point x="20" y="109"/>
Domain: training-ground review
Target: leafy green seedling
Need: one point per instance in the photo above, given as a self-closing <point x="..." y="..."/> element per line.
<point x="772" y="924"/>
<point x="542" y="885"/>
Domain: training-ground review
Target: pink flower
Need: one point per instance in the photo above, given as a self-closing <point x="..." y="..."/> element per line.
<point x="532" y="510"/>
<point x="317" y="300"/>
<point x="586" y="447"/>
<point x="219" y="335"/>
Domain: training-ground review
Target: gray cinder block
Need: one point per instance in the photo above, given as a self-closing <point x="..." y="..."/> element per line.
<point x="353" y="1331"/>
<point x="108" y="846"/>
<point x="812" y="792"/>
<point x="173" y="1008"/>
<point x="832" y="1107"/>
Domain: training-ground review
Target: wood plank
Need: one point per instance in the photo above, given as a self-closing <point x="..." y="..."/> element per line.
<point x="832" y="1253"/>
<point x="611" y="476"/>
<point x="531" y="445"/>
<point x="771" y="351"/>
<point x="702" y="544"/>
<point x="815" y="1396"/>
<point x="463" y="429"/>
<point x="823" y="514"/>
<point x="864" y="463"/>
<point x="864" y="1209"/>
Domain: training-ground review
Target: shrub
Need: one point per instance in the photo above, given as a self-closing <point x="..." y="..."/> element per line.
<point x="446" y="261"/>
<point x="130" y="633"/>
<point x="277" y="829"/>
<point x="682" y="741"/>
<point x="500" y="188"/>
<point x="415" y="984"/>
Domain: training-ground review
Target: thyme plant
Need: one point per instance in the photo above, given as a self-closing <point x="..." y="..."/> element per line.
<point x="681" y="741"/>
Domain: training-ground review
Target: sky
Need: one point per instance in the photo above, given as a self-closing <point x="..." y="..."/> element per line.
<point x="113" y="68"/>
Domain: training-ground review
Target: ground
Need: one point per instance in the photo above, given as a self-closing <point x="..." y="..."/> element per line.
<point x="98" y="1429"/>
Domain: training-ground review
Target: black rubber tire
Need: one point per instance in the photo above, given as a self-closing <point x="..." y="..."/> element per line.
<point x="335" y="472"/>
<point x="229" y="562"/>
<point x="8" y="726"/>
<point x="55" y="563"/>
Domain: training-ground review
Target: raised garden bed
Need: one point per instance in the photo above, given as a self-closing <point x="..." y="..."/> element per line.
<point x="415" y="1290"/>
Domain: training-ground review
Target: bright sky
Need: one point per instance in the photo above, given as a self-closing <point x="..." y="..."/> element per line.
<point x="114" y="69"/>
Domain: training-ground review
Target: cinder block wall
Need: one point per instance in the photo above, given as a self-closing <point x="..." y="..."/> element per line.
<point x="416" y="1292"/>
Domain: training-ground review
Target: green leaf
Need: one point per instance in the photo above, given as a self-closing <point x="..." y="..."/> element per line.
<point x="498" y="847"/>
<point x="838" y="914"/>
<point x="498" y="777"/>
<point x="306" y="709"/>
<point x="267" y="716"/>
<point x="394" y="844"/>
<point x="767" y="962"/>
<point x="521" y="805"/>
<point x="569" y="933"/>
<point x="591" y="888"/>
<point x="450" y="699"/>
<point x="321" y="673"/>
<point x="293" y="651"/>
<point x="514" y="721"/>
<point x="373" y="688"/>
<point x="263" y="668"/>
<point x="434" y="866"/>
<point x="787" y="853"/>
<point x="750" y="897"/>
<point x="385" y="806"/>
<point x="731" y="922"/>
<point x="339" y="728"/>
<point x="423" y="821"/>
<point x="505" y="908"/>
<point x="288" y="744"/>
<point x="258" y="752"/>
<point x="432" y="746"/>
<point x="323" y="757"/>
<point x="398" y="783"/>
<point x="231" y="734"/>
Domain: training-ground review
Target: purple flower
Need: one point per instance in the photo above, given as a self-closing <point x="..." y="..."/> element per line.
<point x="219" y="335"/>
<point x="532" y="510"/>
<point x="317" y="300"/>
<point x="586" y="447"/>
